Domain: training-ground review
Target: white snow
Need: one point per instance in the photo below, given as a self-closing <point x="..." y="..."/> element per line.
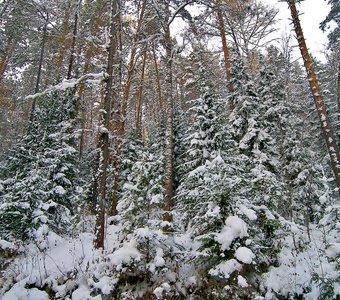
<point x="59" y="190"/>
<point x="83" y="293"/>
<point x="125" y="254"/>
<point x="333" y="250"/>
<point x="249" y="213"/>
<point x="70" y="83"/>
<point x="298" y="267"/>
<point x="53" y="259"/>
<point x="19" y="292"/>
<point x="234" y="228"/>
<point x="4" y="245"/>
<point x="226" y="268"/>
<point x="242" y="282"/>
<point x="105" y="284"/>
<point x="244" y="255"/>
<point x="158" y="292"/>
<point x="159" y="260"/>
<point x="155" y="199"/>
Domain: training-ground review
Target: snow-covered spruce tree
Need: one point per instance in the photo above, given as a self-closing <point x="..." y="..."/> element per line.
<point x="200" y="145"/>
<point x="246" y="242"/>
<point x="209" y="173"/>
<point x="40" y="175"/>
<point x="140" y="211"/>
<point x="309" y="201"/>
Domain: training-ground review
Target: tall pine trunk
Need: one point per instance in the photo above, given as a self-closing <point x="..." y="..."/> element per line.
<point x="139" y="100"/>
<point x="123" y="110"/>
<point x="73" y="44"/>
<point x="4" y="60"/>
<point x="169" y="152"/>
<point x="63" y="39"/>
<point x="158" y="80"/>
<point x="318" y="99"/>
<point x="41" y="59"/>
<point x="103" y="134"/>
<point x="226" y="54"/>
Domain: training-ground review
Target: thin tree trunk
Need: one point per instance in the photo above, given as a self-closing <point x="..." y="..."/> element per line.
<point x="103" y="135"/>
<point x="318" y="99"/>
<point x="62" y="41"/>
<point x="158" y="80"/>
<point x="73" y="45"/>
<point x="123" y="111"/>
<point x="81" y="89"/>
<point x="169" y="178"/>
<point x="140" y="94"/>
<point x="338" y="92"/>
<point x="41" y="59"/>
<point x="221" y="27"/>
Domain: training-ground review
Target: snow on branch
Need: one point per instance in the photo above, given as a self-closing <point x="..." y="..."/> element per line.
<point x="71" y="83"/>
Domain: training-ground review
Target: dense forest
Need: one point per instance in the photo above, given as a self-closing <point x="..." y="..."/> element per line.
<point x="143" y="162"/>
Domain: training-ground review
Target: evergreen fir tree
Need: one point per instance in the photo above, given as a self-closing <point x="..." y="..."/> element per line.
<point x="141" y="208"/>
<point x="41" y="183"/>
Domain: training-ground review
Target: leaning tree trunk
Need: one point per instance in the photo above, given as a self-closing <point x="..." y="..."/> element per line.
<point x="318" y="99"/>
<point x="103" y="135"/>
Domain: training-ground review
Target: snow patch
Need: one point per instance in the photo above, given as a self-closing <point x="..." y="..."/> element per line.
<point x="19" y="292"/>
<point x="226" y="268"/>
<point x="244" y="255"/>
<point x="333" y="250"/>
<point x="158" y="292"/>
<point x="83" y="293"/>
<point x="242" y="282"/>
<point x="249" y="213"/>
<point x="59" y="190"/>
<point x="125" y="254"/>
<point x="234" y="228"/>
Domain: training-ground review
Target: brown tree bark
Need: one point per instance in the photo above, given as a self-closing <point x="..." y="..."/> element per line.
<point x="103" y="134"/>
<point x="80" y="92"/>
<point x="89" y="52"/>
<point x="169" y="164"/>
<point x="221" y="27"/>
<point x="41" y="59"/>
<point x="158" y="80"/>
<point x="140" y="94"/>
<point x="63" y="40"/>
<point x="123" y="110"/>
<point x="132" y="62"/>
<point x="318" y="99"/>
<point x="73" y="44"/>
<point x="6" y="57"/>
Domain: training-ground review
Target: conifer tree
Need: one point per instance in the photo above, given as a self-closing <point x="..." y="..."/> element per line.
<point x="40" y="178"/>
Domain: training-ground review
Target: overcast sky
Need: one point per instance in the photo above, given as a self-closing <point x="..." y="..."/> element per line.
<point x="314" y="11"/>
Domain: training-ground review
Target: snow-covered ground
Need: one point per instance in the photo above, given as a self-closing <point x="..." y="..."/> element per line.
<point x="72" y="269"/>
